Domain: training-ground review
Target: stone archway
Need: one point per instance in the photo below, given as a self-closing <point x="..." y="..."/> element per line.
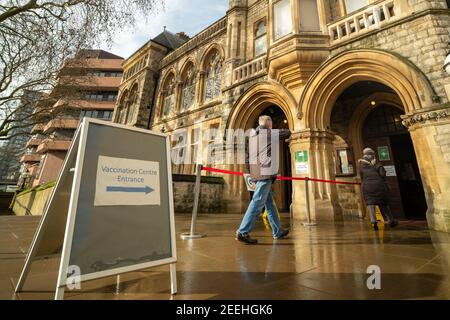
<point x="349" y="67"/>
<point x="416" y="97"/>
<point x="259" y="96"/>
<point x="361" y="113"/>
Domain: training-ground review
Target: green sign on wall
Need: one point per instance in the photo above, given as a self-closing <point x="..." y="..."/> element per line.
<point x="301" y="156"/>
<point x="383" y="153"/>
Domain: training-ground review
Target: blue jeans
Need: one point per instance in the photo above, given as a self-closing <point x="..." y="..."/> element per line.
<point x="261" y="198"/>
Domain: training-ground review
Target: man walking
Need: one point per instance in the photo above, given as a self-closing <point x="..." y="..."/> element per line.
<point x="263" y="166"/>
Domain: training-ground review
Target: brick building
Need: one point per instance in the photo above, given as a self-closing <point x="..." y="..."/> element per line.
<point x="91" y="81"/>
<point x="341" y="74"/>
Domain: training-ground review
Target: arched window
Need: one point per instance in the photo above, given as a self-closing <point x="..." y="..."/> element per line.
<point x="132" y="103"/>
<point x="260" y="39"/>
<point x="213" y="86"/>
<point x="168" y="97"/>
<point x="188" y="88"/>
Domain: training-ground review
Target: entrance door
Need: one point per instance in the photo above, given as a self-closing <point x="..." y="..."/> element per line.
<point x="282" y="189"/>
<point x="385" y="134"/>
<point x="409" y="180"/>
<point x="383" y="149"/>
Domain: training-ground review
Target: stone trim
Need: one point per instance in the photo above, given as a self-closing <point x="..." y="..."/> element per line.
<point x="427" y="115"/>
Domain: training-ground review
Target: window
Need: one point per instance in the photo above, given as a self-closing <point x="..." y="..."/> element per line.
<point x="98" y="114"/>
<point x="345" y="164"/>
<point x="382" y="121"/>
<point x="195" y="140"/>
<point x="353" y="5"/>
<point x="261" y="39"/>
<point x="101" y="96"/>
<point x="309" y="15"/>
<point x="213" y="144"/>
<point x="283" y="18"/>
<point x="213" y="77"/>
<point x="188" y="89"/>
<point x="112" y="74"/>
<point x="168" y="102"/>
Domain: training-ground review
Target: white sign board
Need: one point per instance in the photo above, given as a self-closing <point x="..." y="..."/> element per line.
<point x="302" y="168"/>
<point x="390" y="171"/>
<point x="251" y="185"/>
<point x="127" y="182"/>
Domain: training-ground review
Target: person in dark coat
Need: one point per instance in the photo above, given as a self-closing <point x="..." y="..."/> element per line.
<point x="375" y="188"/>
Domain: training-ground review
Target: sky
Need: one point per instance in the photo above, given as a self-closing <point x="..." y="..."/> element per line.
<point x="190" y="16"/>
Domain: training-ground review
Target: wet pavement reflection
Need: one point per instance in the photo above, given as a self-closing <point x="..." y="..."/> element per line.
<point x="329" y="261"/>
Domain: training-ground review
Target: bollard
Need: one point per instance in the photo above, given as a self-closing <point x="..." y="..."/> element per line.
<point x="308" y="207"/>
<point x="198" y="179"/>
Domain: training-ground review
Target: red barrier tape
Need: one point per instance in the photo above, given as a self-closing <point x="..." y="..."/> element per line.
<point x="235" y="173"/>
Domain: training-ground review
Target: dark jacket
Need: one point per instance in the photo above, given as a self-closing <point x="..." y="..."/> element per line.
<point x="260" y="157"/>
<point x="374" y="186"/>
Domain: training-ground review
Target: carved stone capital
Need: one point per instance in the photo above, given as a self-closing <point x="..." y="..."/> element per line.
<point x="426" y="116"/>
<point x="311" y="135"/>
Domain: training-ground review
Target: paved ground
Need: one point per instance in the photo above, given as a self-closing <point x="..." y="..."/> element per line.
<point x="328" y="262"/>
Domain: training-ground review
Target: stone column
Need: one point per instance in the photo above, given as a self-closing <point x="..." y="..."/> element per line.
<point x="200" y="87"/>
<point x="323" y="197"/>
<point x="430" y="133"/>
<point x="177" y="98"/>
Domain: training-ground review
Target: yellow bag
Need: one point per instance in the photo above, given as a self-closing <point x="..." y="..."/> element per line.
<point x="379" y="216"/>
<point x="266" y="220"/>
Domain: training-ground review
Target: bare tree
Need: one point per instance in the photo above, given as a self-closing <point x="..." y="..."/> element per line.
<point x="37" y="36"/>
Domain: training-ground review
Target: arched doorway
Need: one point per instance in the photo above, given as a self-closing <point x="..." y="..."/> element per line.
<point x="264" y="98"/>
<point x="390" y="76"/>
<point x="282" y="189"/>
<point x="384" y="132"/>
<point x="369" y="114"/>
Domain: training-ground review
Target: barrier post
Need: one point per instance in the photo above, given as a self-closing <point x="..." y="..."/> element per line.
<point x="198" y="179"/>
<point x="308" y="207"/>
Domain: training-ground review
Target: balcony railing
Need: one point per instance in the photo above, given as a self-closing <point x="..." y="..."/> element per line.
<point x="365" y="20"/>
<point x="38" y="128"/>
<point x="61" y="124"/>
<point x="30" y="158"/>
<point x="33" y="142"/>
<point x="249" y="70"/>
<point x="54" y="145"/>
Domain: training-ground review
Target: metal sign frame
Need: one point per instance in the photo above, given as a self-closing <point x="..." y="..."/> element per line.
<point x="79" y="142"/>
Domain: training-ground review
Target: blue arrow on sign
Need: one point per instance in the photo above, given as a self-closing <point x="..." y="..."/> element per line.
<point x="145" y="189"/>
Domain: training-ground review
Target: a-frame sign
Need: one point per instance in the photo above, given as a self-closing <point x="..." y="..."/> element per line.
<point x="111" y="210"/>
